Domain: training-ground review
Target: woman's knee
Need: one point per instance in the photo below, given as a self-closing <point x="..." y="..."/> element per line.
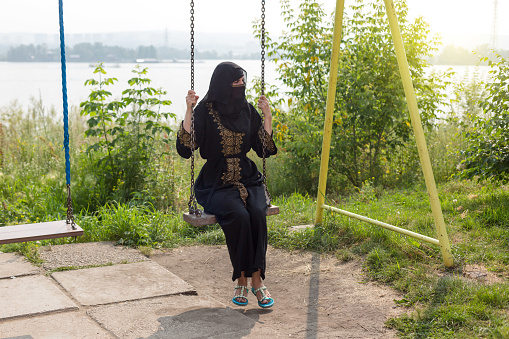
<point x="257" y="210"/>
<point x="238" y="217"/>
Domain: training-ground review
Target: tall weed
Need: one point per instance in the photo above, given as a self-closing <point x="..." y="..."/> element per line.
<point x="32" y="177"/>
<point x="125" y="142"/>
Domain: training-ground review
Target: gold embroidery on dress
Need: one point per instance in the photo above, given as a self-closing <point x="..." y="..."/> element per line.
<point x="269" y="142"/>
<point x="230" y="140"/>
<point x="232" y="174"/>
<point x="232" y="145"/>
<point x="184" y="137"/>
<point x="243" y="192"/>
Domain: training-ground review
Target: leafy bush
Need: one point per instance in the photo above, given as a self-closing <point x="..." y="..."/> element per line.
<point x="126" y="137"/>
<point x="487" y="156"/>
<point x="371" y="119"/>
<point x="447" y="138"/>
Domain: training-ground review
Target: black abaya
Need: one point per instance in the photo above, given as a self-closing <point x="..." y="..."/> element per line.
<point x="229" y="184"/>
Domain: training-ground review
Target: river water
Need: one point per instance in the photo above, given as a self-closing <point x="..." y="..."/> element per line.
<point x="22" y="81"/>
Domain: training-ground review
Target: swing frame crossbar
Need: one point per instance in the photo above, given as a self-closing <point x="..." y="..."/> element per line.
<point x="413" y="109"/>
<point x="383" y="224"/>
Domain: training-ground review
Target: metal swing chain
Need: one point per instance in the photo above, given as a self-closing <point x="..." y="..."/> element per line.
<point x="70" y="213"/>
<point x="262" y="90"/>
<point x="263" y="49"/>
<point x="193" y="208"/>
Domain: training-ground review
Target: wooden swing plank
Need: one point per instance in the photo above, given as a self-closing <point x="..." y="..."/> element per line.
<point x="209" y="219"/>
<point x="38" y="231"/>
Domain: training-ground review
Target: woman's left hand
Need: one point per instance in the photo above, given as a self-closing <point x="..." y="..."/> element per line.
<point x="263" y="104"/>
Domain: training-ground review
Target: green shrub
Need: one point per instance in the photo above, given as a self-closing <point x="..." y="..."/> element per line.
<point x="125" y="137"/>
<point x="487" y="155"/>
<point x="371" y="121"/>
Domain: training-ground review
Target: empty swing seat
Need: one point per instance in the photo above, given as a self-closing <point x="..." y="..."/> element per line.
<point x="38" y="231"/>
<point x="209" y="219"/>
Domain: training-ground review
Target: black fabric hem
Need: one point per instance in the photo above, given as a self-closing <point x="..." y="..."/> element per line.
<point x="249" y="274"/>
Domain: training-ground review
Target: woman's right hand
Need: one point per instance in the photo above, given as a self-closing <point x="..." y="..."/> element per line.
<point x="191" y="99"/>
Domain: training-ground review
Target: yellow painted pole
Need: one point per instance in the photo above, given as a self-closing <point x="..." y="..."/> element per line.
<point x="329" y="111"/>
<point x="404" y="70"/>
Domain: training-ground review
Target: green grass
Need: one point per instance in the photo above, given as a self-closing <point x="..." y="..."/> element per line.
<point x="28" y="249"/>
<point x="447" y="304"/>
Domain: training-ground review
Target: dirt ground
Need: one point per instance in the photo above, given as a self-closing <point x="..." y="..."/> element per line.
<point x="315" y="296"/>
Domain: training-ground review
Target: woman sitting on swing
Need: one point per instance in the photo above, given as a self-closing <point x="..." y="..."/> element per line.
<point x="229" y="185"/>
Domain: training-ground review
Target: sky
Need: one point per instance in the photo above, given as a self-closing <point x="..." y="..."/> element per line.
<point x="94" y="16"/>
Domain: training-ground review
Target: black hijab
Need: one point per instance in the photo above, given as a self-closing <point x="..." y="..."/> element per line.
<point x="229" y="101"/>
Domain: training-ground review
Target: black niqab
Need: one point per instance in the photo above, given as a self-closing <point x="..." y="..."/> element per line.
<point x="229" y="101"/>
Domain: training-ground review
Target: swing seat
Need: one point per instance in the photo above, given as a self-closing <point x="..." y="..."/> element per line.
<point x="209" y="219"/>
<point x="38" y="231"/>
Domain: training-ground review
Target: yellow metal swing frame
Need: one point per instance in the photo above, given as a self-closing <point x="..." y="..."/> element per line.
<point x="443" y="240"/>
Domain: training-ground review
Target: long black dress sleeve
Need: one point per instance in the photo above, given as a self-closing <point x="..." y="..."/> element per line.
<point x="184" y="137"/>
<point x="259" y="136"/>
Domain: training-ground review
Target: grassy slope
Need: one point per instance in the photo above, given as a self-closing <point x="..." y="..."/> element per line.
<point x="448" y="304"/>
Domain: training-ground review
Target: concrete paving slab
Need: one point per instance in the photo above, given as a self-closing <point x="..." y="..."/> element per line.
<point x="179" y="316"/>
<point x="61" y="325"/>
<point x="31" y="295"/>
<point x="13" y="265"/>
<point x="88" y="254"/>
<point x="111" y="284"/>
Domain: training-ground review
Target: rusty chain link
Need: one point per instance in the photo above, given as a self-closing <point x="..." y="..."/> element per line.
<point x="70" y="215"/>
<point x="192" y="205"/>
<point x="262" y="90"/>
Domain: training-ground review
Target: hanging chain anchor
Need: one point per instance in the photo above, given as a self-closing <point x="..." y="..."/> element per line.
<point x="70" y="214"/>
